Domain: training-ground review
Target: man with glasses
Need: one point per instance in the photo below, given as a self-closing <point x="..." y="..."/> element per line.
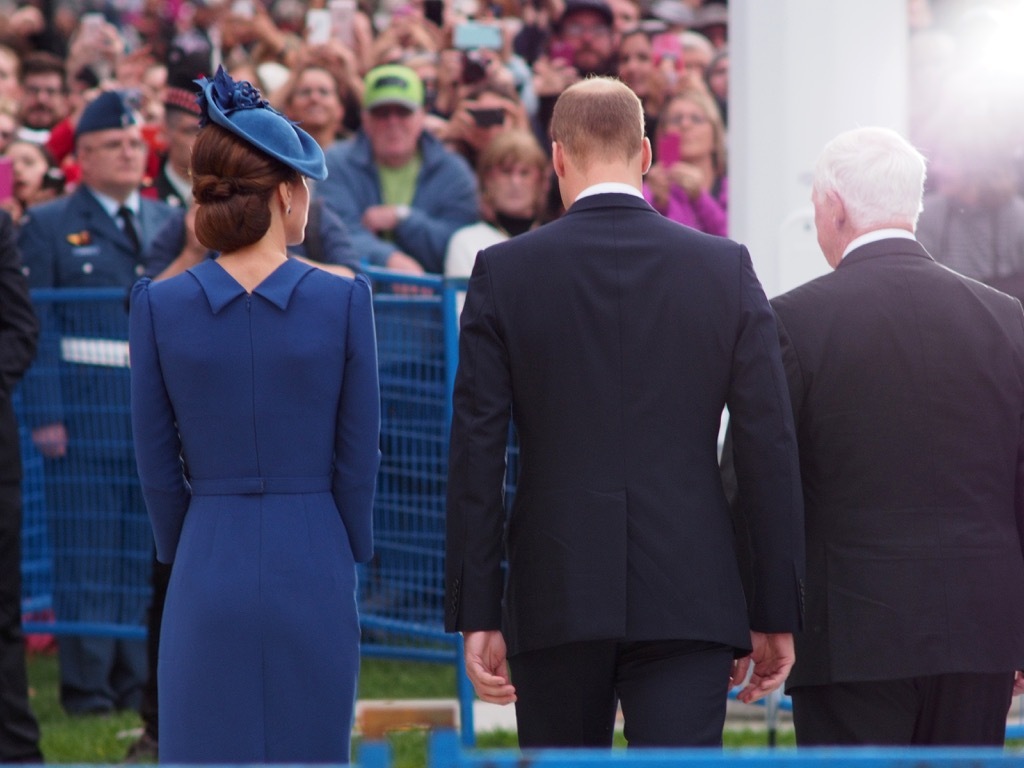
<point x="585" y="43"/>
<point x="44" y="96"/>
<point x="586" y="29"/>
<point x="77" y="404"/>
<point x="399" y="191"/>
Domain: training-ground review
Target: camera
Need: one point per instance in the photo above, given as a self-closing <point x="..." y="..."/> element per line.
<point x="488" y="118"/>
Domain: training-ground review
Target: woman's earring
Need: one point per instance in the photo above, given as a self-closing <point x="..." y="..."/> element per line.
<point x="289" y="211"/>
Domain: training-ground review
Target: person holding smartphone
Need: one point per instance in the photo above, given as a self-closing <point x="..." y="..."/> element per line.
<point x="484" y="111"/>
<point x="688" y="182"/>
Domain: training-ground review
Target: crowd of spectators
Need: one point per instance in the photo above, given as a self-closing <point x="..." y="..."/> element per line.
<point x="405" y="175"/>
<point x="483" y="68"/>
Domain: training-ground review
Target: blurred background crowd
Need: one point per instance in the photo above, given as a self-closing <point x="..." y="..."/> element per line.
<point x="433" y="115"/>
<point x="483" y="71"/>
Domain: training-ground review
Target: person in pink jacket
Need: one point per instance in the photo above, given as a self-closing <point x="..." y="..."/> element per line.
<point x="687" y="183"/>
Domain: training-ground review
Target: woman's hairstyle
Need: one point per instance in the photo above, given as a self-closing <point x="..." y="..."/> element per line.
<point x="877" y="174"/>
<point x="509" y="148"/>
<point x="232" y="183"/>
<point x="706" y="103"/>
<point x="598" y="119"/>
<point x="53" y="178"/>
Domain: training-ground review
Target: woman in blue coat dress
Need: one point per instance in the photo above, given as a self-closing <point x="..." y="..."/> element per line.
<point x="256" y="416"/>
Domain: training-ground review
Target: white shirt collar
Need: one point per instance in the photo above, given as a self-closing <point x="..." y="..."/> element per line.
<point x="111" y="206"/>
<point x="875" y="236"/>
<point x="606" y="187"/>
<point x="181" y="185"/>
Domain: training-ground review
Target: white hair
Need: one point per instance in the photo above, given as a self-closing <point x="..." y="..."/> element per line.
<point x="877" y="174"/>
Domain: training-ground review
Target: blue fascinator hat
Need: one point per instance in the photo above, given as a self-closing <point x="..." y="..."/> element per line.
<point x="240" y="108"/>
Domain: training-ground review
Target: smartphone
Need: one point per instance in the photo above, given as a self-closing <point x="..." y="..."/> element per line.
<point x="92" y="27"/>
<point x="6" y="178"/>
<point x="342" y="13"/>
<point x="666" y="46"/>
<point x="433" y="10"/>
<point x="562" y="53"/>
<point x="668" y="149"/>
<point x="318" y="26"/>
<point x="474" y="68"/>
<point x="243" y="9"/>
<point x="473" y="35"/>
<point x="488" y="118"/>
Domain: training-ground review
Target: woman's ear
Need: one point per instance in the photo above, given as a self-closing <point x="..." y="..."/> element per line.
<point x="284" y="195"/>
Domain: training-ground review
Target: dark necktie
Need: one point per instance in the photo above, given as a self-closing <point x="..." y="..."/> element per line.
<point x="128" y="219"/>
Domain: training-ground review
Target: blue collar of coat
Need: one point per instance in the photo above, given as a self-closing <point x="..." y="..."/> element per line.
<point x="221" y="288"/>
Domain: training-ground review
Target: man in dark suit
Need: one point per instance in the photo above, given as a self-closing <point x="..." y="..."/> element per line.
<point x="614" y="338"/>
<point x="907" y="384"/>
<point x="96" y="237"/>
<point x="19" y="732"/>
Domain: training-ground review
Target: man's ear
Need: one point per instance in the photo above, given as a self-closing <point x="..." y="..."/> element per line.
<point x="646" y="155"/>
<point x="558" y="159"/>
<point x="837" y="208"/>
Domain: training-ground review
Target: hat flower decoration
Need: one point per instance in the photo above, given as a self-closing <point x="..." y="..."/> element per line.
<point x="240" y="108"/>
<point x="229" y="95"/>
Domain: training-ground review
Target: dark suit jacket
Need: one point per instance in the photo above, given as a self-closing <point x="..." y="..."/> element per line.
<point x="614" y="337"/>
<point x="19" y="331"/>
<point x="907" y="384"/>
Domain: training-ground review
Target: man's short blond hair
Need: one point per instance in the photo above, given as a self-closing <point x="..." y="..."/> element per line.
<point x="599" y="118"/>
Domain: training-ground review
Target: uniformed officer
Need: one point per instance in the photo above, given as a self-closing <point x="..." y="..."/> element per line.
<point x="76" y="402"/>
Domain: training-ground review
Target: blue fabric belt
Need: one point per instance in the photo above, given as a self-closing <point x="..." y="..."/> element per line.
<point x="224" y="486"/>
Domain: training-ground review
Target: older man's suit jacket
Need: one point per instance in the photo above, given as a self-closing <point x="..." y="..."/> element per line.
<point x="907" y="384"/>
<point x="614" y="337"/>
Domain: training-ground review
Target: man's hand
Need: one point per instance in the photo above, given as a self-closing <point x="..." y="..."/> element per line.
<point x="486" y="667"/>
<point x="380" y="218"/>
<point x="1018" y="683"/>
<point x="773" y="657"/>
<point x="51" y="440"/>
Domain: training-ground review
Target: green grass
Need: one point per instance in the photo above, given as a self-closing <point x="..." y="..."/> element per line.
<point x="87" y="739"/>
<point x="106" y="739"/>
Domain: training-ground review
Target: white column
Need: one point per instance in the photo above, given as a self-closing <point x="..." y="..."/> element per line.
<point x="803" y="71"/>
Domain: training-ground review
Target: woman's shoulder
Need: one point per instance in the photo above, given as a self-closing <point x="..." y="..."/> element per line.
<point x="168" y="295"/>
<point x="334" y="290"/>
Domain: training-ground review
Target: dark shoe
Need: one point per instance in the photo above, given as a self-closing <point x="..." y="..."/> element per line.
<point x="142" y="751"/>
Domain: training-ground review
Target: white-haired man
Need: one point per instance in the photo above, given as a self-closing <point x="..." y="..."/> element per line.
<point x="907" y="384"/>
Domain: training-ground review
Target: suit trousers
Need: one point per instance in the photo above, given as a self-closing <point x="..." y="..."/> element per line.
<point x="961" y="709"/>
<point x="19" y="732"/>
<point x="672" y="692"/>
